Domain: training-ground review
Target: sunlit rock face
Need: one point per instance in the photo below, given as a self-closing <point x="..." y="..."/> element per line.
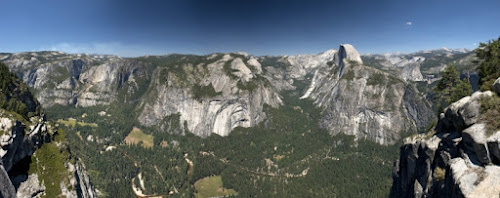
<point x="364" y="101"/>
<point x="234" y="105"/>
<point x="459" y="158"/>
<point x="232" y="89"/>
<point x="89" y="80"/>
<point x="19" y="140"/>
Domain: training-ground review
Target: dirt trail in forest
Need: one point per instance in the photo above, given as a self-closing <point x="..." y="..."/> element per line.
<point x="271" y="174"/>
<point x="138" y="191"/>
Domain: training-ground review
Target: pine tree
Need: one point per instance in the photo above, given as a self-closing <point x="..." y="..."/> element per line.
<point x="449" y="78"/>
<point x="489" y="63"/>
<point x="14" y="94"/>
<point x="462" y="89"/>
<point x="450" y="88"/>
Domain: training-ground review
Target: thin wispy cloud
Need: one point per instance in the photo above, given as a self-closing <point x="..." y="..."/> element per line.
<point x="409" y="23"/>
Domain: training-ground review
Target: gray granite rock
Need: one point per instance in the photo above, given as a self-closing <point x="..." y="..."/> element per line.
<point x="460" y="159"/>
<point x="31" y="187"/>
<point x="496" y="86"/>
<point x="7" y="190"/>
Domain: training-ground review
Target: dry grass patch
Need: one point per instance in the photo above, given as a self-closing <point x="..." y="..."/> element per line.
<point x="73" y="122"/>
<point x="490" y="113"/>
<point x="278" y="157"/>
<point x="439" y="174"/>
<point x="211" y="187"/>
<point x="136" y="136"/>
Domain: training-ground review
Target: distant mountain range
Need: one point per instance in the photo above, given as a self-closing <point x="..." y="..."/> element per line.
<point x="107" y="102"/>
<point x="239" y="81"/>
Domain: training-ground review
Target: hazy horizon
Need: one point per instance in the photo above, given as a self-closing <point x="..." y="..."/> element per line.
<point x="204" y="54"/>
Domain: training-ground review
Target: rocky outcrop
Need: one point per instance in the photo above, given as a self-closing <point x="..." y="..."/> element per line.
<point x="364" y="101"/>
<point x="7" y="190"/>
<point x="496" y="86"/>
<point x="238" y="99"/>
<point x="19" y="140"/>
<point x="406" y="66"/>
<point x="423" y="65"/>
<point x="23" y="130"/>
<point x="301" y="65"/>
<point x="241" y="70"/>
<point x="459" y="158"/>
<point x="30" y="187"/>
<point x="418" y="107"/>
<point x="463" y="113"/>
<point x="68" y="79"/>
<point x="80" y="185"/>
<point x="84" y="186"/>
<point x="412" y="72"/>
<point x="347" y="54"/>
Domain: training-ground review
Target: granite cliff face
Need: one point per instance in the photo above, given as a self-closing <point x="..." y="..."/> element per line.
<point x="219" y="92"/>
<point x="60" y="78"/>
<point x="232" y="87"/>
<point x="364" y="101"/>
<point x="407" y="66"/>
<point x="231" y="91"/>
<point x="19" y="141"/>
<point x="424" y="65"/>
<point x="29" y="150"/>
<point x="459" y="158"/>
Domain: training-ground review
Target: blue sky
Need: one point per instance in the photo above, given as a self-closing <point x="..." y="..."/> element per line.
<point x="136" y="28"/>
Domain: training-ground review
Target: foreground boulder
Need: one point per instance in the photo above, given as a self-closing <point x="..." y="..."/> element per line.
<point x="459" y="158"/>
<point x="496" y="86"/>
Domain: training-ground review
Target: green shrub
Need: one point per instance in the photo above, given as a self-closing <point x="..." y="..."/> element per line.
<point x="48" y="163"/>
<point x="439" y="174"/>
<point x="349" y="75"/>
<point x="450" y="88"/>
<point x="249" y="86"/>
<point x="390" y="96"/>
<point x="376" y="79"/>
<point x="462" y="89"/>
<point x="229" y="71"/>
<point x="490" y="112"/>
<point x="353" y="63"/>
<point x="15" y="95"/>
<point x="489" y="63"/>
<point x="200" y="92"/>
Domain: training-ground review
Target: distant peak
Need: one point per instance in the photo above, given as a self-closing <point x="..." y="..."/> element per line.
<point x="327" y="54"/>
<point x="242" y="53"/>
<point x="330" y="51"/>
<point x="348" y="52"/>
